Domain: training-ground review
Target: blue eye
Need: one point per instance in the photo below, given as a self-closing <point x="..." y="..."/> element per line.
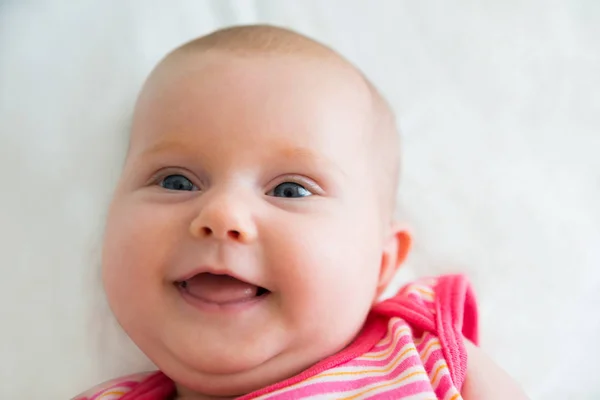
<point x="290" y="190"/>
<point x="177" y="182"/>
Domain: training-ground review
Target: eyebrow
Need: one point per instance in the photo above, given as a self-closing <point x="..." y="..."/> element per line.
<point x="164" y="146"/>
<point x="307" y="155"/>
<point x="302" y="154"/>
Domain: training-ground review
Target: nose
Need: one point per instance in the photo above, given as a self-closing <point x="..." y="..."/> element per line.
<point x="224" y="218"/>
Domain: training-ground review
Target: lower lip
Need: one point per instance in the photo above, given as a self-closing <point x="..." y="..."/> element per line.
<point x="234" y="306"/>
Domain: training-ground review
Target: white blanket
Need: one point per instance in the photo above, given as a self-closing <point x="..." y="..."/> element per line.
<point x="499" y="105"/>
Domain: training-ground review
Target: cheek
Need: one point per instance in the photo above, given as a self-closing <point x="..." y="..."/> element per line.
<point x="325" y="268"/>
<point x="135" y="253"/>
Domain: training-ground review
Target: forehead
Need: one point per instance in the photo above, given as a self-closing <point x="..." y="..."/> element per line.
<point x="282" y="101"/>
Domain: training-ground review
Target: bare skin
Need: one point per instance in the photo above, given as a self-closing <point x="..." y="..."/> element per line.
<point x="485" y="380"/>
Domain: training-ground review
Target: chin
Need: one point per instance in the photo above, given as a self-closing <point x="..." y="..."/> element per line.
<point x="225" y="360"/>
<point x="228" y="384"/>
<point x="230" y="367"/>
<point x="235" y="376"/>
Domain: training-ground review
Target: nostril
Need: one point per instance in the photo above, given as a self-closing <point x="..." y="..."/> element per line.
<point x="206" y="231"/>
<point x="234" y="234"/>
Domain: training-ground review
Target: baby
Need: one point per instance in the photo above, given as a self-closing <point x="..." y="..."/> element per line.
<point x="252" y="232"/>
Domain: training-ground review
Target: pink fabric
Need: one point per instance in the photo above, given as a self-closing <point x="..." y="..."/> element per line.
<point x="437" y="325"/>
<point x="121" y="384"/>
<point x="156" y="387"/>
<point x="456" y="315"/>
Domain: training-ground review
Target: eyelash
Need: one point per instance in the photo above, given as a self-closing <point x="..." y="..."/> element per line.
<point x="162" y="175"/>
<point x="308" y="184"/>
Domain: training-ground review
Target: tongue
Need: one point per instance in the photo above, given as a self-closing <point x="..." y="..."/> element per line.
<point x="220" y="288"/>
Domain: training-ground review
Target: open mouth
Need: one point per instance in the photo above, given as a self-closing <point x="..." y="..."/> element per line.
<point x="220" y="289"/>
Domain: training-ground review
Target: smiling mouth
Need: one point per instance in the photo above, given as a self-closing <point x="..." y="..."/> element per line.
<point x="220" y="289"/>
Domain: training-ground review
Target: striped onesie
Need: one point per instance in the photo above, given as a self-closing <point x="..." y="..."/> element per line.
<point x="411" y="347"/>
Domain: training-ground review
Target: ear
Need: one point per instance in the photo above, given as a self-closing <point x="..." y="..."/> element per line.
<point x="395" y="249"/>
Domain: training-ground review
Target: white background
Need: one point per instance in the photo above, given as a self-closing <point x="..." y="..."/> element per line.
<point x="499" y="105"/>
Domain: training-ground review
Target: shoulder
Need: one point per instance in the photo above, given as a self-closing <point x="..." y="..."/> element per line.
<point x="118" y="386"/>
<point x="485" y="380"/>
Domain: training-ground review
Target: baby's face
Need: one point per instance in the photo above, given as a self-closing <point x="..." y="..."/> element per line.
<point x="244" y="241"/>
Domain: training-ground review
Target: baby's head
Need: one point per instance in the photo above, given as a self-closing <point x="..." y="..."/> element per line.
<point x="251" y="230"/>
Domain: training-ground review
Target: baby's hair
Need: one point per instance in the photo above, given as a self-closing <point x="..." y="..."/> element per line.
<point x="250" y="40"/>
